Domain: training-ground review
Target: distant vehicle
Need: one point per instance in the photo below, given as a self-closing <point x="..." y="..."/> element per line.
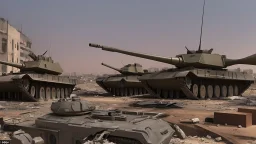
<point x="37" y="79"/>
<point x="124" y="84"/>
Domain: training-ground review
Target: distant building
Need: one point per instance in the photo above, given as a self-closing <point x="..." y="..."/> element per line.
<point x="25" y="47"/>
<point x="14" y="46"/>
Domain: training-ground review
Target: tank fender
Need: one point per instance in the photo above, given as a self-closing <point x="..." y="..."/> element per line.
<point x="182" y="74"/>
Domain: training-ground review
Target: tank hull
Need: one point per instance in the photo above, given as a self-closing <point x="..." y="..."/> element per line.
<point x="195" y="83"/>
<point x="121" y="85"/>
<point x="34" y="87"/>
<point x="130" y="128"/>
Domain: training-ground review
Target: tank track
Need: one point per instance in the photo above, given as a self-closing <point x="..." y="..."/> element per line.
<point x="124" y="91"/>
<point x="202" y="88"/>
<point x="27" y="89"/>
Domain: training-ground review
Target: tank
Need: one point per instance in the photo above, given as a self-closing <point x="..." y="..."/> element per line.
<point x="198" y="74"/>
<point x="38" y="79"/>
<point x="75" y="122"/>
<point x="124" y="84"/>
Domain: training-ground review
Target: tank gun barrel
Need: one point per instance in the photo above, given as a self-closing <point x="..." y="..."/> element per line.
<point x="250" y="60"/>
<point x="16" y="65"/>
<point x="111" y="67"/>
<point x="33" y="56"/>
<point x="173" y="61"/>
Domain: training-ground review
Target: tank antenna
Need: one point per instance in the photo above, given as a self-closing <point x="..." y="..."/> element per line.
<point x="201" y="28"/>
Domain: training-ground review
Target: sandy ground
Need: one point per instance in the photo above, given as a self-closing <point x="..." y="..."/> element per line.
<point x="186" y="109"/>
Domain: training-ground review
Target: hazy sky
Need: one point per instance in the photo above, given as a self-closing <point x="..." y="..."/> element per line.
<point x="164" y="28"/>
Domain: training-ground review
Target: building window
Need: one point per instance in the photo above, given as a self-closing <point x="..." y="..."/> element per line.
<point x="17" y="60"/>
<point x="4" y="45"/>
<point x="17" y="46"/>
<point x="4" y="68"/>
<point x="12" y="44"/>
<point x="12" y="58"/>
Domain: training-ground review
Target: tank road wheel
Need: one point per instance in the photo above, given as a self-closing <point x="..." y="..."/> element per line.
<point x="125" y="92"/>
<point x="58" y="93"/>
<point x="33" y="91"/>
<point x="195" y="90"/>
<point x="230" y="90"/>
<point x="66" y="93"/>
<point x="158" y="92"/>
<point x="217" y="91"/>
<point x="135" y="91"/>
<point x="122" y="92"/>
<point x="165" y="94"/>
<point x="62" y="93"/>
<point x="209" y="91"/>
<point x="145" y="91"/>
<point x="42" y="93"/>
<point x="224" y="91"/>
<point x="130" y="91"/>
<point x="236" y="91"/>
<point x="53" y="93"/>
<point x="170" y="94"/>
<point x="202" y="91"/>
<point x="140" y="91"/>
<point x="69" y="90"/>
<point x="25" y="84"/>
<point x="48" y="93"/>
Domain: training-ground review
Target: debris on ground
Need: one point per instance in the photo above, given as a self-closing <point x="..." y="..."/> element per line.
<point x="218" y="139"/>
<point x="104" y="142"/>
<point x="154" y="104"/>
<point x="191" y="121"/>
<point x="179" y="131"/>
<point x="233" y="98"/>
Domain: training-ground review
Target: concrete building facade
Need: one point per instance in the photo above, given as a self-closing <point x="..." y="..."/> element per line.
<point x="25" y="47"/>
<point x="11" y="42"/>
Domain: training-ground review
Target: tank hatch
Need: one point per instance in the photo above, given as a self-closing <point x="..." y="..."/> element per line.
<point x="108" y="115"/>
<point x="70" y="107"/>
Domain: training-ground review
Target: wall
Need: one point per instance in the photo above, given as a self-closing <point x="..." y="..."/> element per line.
<point x="12" y="51"/>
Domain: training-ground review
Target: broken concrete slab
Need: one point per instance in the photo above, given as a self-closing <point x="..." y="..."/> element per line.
<point x="154" y="104"/>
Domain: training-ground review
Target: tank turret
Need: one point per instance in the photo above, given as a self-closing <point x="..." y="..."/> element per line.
<point x="39" y="64"/>
<point x="198" y="59"/>
<point x="71" y="107"/>
<point x="129" y="69"/>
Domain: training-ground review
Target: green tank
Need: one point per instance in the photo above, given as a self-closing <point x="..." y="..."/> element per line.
<point x="38" y="79"/>
<point x="198" y="75"/>
<point x="74" y="121"/>
<point x="124" y="84"/>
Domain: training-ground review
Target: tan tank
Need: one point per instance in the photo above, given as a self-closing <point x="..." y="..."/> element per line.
<point x="124" y="84"/>
<point x="73" y="121"/>
<point x="37" y="79"/>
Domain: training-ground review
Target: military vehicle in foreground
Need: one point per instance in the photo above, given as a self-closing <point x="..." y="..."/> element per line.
<point x="198" y="75"/>
<point x="124" y="84"/>
<point x="74" y="121"/>
<point x="38" y="79"/>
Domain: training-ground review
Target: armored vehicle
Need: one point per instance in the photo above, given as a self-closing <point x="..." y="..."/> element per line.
<point x="198" y="75"/>
<point x="73" y="121"/>
<point x="38" y="79"/>
<point x="124" y="84"/>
